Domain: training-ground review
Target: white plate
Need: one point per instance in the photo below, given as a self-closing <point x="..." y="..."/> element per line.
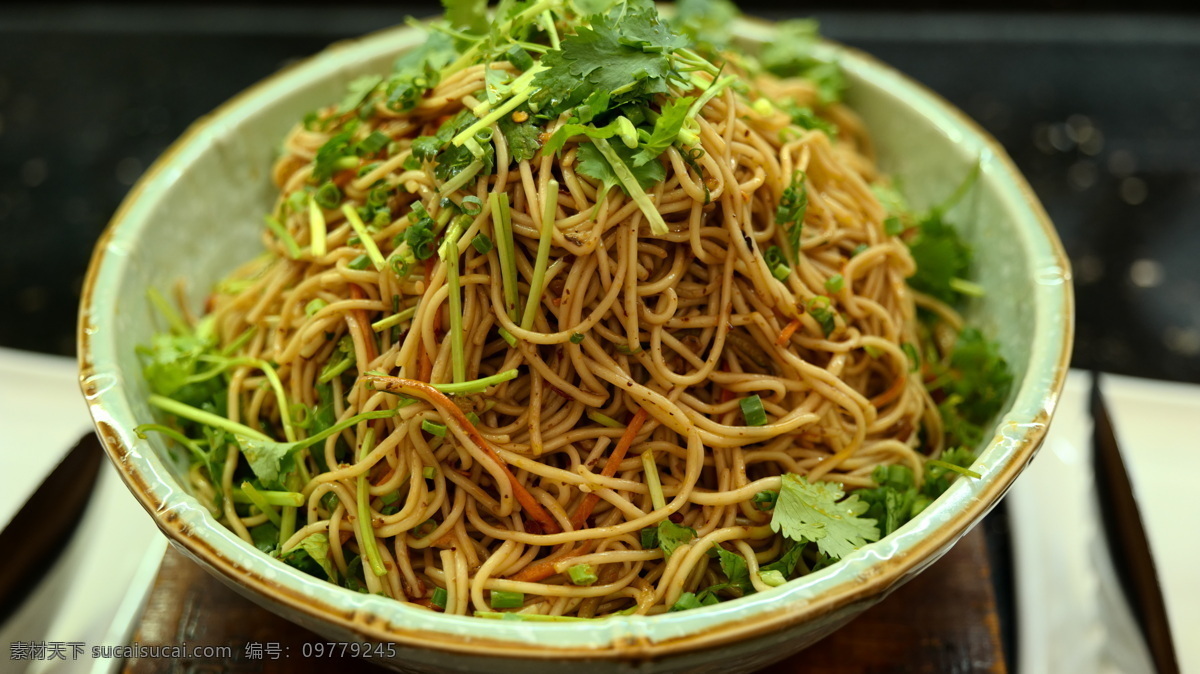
<point x="1072" y="615"/>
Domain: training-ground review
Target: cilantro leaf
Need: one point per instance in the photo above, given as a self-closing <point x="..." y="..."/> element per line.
<point x="265" y="536"/>
<point x="418" y="70"/>
<point x="790" y="212"/>
<point x="671" y="536"/>
<point x="173" y="365"/>
<point x="690" y="600"/>
<point x="792" y="54"/>
<point x="666" y="129"/>
<point x="805" y="118"/>
<point x="592" y="164"/>
<point x="787" y="562"/>
<point x="709" y="22"/>
<point x="451" y="159"/>
<point x="271" y="460"/>
<point x="469" y="15"/>
<point x="624" y="51"/>
<point x="972" y="389"/>
<point x="357" y="92"/>
<point x="325" y="162"/>
<point x="941" y="256"/>
<point x="817" y="512"/>
<point x="735" y="569"/>
<point x="312" y="556"/>
<point x="891" y="503"/>
<point x="524" y="139"/>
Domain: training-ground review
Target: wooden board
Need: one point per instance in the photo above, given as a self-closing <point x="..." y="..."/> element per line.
<point x="942" y="621"/>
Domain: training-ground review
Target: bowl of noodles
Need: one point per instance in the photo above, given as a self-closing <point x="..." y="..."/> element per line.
<point x="576" y="337"/>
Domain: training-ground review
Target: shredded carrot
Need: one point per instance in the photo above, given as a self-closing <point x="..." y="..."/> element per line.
<point x="892" y="393"/>
<point x="788" y="330"/>
<point x="429" y="394"/>
<point x="584" y="510"/>
<point x="543" y="569"/>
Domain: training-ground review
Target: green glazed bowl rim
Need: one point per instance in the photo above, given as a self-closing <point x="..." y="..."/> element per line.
<point x="859" y="579"/>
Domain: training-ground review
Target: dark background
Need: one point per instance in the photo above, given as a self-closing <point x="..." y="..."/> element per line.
<point x="1101" y="111"/>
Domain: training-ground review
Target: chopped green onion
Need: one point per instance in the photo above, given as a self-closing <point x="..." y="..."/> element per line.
<point x="835" y="283"/>
<point x="582" y="574"/>
<point x="604" y="419"/>
<point x="433" y="428"/>
<point x="297" y="199"/>
<point x="476" y="385"/>
<point x="508" y="337"/>
<point x="328" y="196"/>
<point x="950" y="466"/>
<point x="366" y="532"/>
<point x="368" y="243"/>
<point x="537" y="282"/>
<point x="502" y="599"/>
<point x="652" y="482"/>
<point x="429" y="472"/>
<point x="471" y="205"/>
<point x="966" y="287"/>
<point x="476" y="149"/>
<point x="776" y="262"/>
<point x="859" y="249"/>
<point x="439" y="597"/>
<point x="872" y="351"/>
<point x="576" y="338"/>
<point x="482" y="243"/>
<point x="373" y="143"/>
<point x="522" y="92"/>
<point x="914" y="357"/>
<point x="259" y="502"/>
<point x="818" y="308"/>
<point x="462" y="178"/>
<point x="316" y="226"/>
<point x="315" y="305"/>
<point x="275" y="498"/>
<point x="892" y="226"/>
<point x="473" y="418"/>
<point x="765" y="500"/>
<point x="284" y="236"/>
<point x="774" y="577"/>
<point x="519" y="57"/>
<point x="395" y="319"/>
<point x="505" y="248"/>
<point x="361" y="262"/>
<point x="752" y="411"/>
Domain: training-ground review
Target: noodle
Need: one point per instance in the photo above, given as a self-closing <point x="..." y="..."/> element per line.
<point x="634" y="353"/>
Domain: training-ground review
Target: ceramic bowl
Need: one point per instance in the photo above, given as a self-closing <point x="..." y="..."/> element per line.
<point x="197" y="213"/>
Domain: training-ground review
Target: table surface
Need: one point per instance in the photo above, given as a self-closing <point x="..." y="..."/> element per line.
<point x="944" y="620"/>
